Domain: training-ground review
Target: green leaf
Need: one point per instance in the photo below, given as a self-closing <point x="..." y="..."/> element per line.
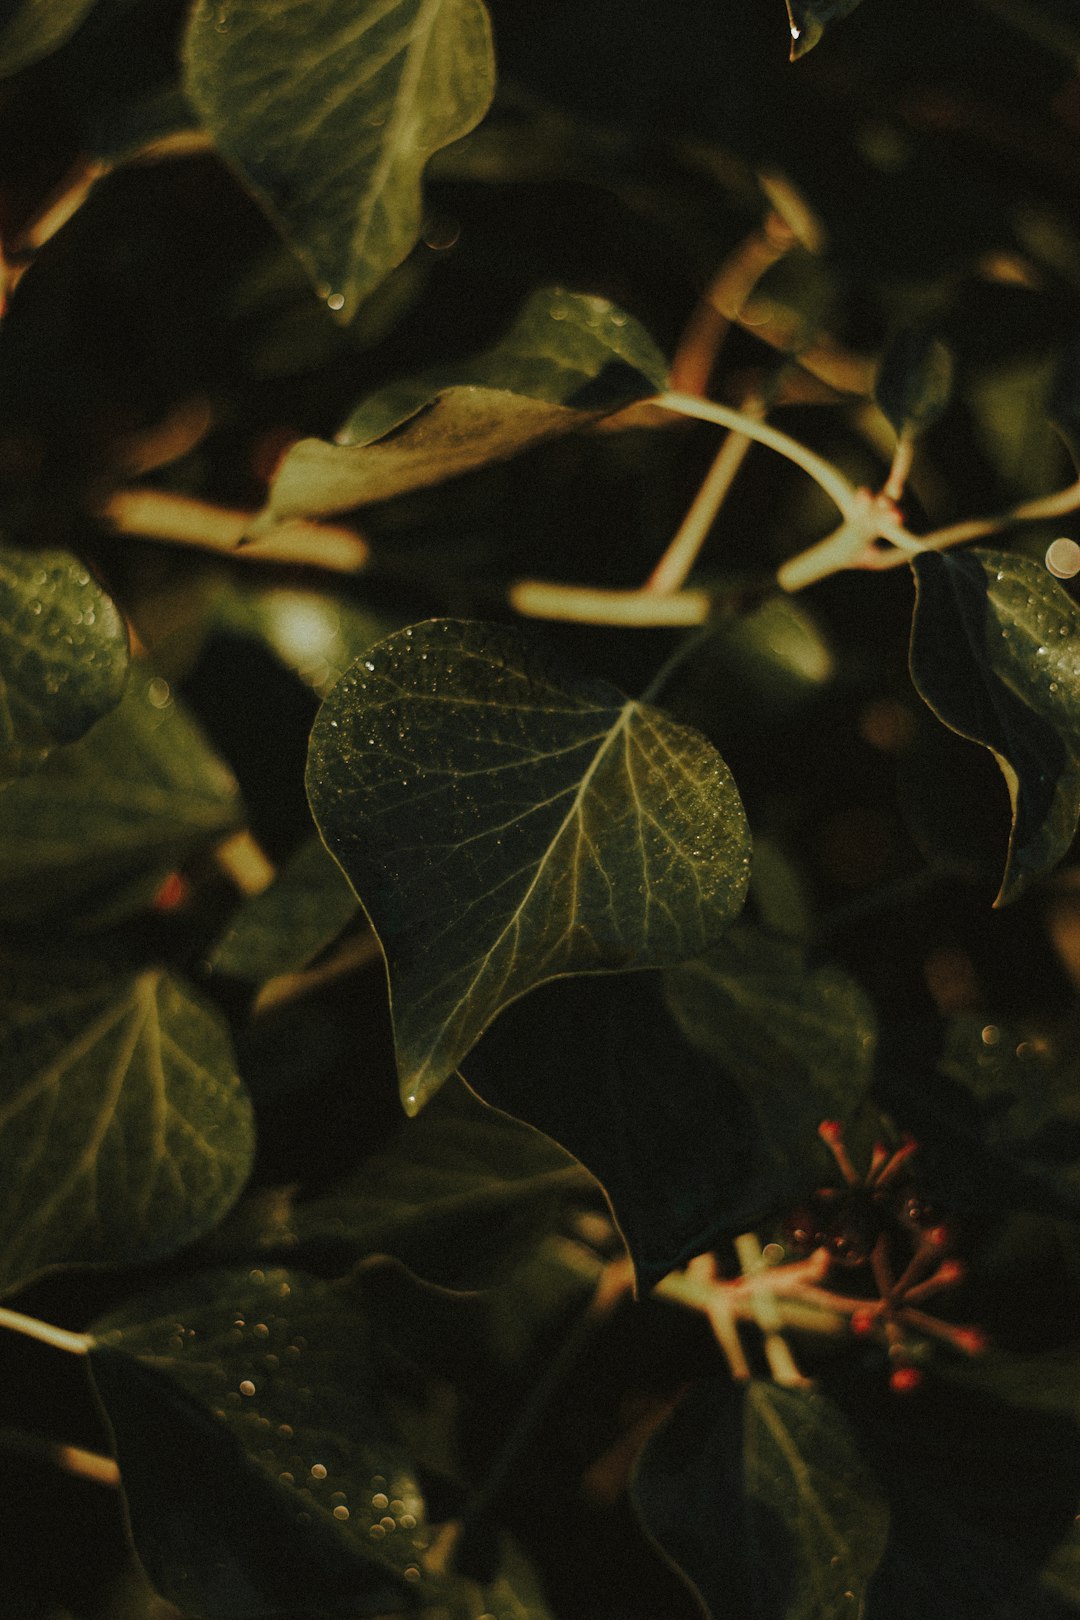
<point x="914" y="381"/>
<point x="33" y="28"/>
<point x="330" y="109"/>
<point x="1016" y="1102"/>
<point x="279" y="930"/>
<point x="246" y="1409"/>
<point x="142" y="791"/>
<point x="63" y="655"/>
<point x="125" y="1131"/>
<point x="1063" y="405"/>
<point x="567" y="360"/>
<point x="995" y="652"/>
<point x="797" y="1037"/>
<point x="313" y="633"/>
<point x="761" y="1498"/>
<point x="600" y="1066"/>
<point x="505" y="823"/>
<point x="808" y="20"/>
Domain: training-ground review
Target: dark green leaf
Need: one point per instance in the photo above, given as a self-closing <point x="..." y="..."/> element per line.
<point x="505" y="824"/>
<point x="124" y="1129"/>
<point x="63" y="655"/>
<point x="808" y="20"/>
<point x="140" y="792"/>
<point x="1016" y="1102"/>
<point x="304" y="909"/>
<point x="330" y="111"/>
<point x="313" y="633"/>
<point x="915" y="381"/>
<point x="456" y="1196"/>
<point x="598" y="1065"/>
<point x="995" y="652"/>
<point x="32" y="28"/>
<point x="760" y="1497"/>
<point x="567" y="360"/>
<point x="1063" y="406"/>
<point x="797" y="1038"/>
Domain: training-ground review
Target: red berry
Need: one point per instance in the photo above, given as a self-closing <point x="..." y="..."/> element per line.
<point x="971" y="1340"/>
<point x="904" y="1380"/>
<point x="830" y="1130"/>
<point x="172" y="893"/>
<point x="862" y="1322"/>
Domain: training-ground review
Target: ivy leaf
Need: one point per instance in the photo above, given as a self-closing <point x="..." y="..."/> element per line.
<point x="63" y="655"/>
<point x="33" y="28"/>
<point x="914" y="381"/>
<point x="1016" y="1103"/>
<point x="761" y="1498"/>
<point x="588" y="832"/>
<point x="1063" y="404"/>
<point x="808" y="20"/>
<point x="995" y="652"/>
<point x="124" y="1128"/>
<point x="279" y="930"/>
<point x="567" y="360"/>
<point x="330" y="110"/>
<point x="142" y="791"/>
<point x="457" y="1196"/>
<point x="798" y="1038"/>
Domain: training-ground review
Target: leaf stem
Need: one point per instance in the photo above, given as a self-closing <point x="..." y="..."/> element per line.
<point x="91" y="1465"/>
<point x="77" y="1344"/>
<point x="823" y="472"/>
<point x="584" y="604"/>
<point x="674" y="566"/>
<point x="160" y="515"/>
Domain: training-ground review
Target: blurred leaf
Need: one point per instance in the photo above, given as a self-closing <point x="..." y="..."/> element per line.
<point x="63" y="655"/>
<point x="313" y="633"/>
<point x="1018" y="1102"/>
<point x="995" y="652"/>
<point x="808" y="20"/>
<point x="567" y="360"/>
<point x="1009" y="406"/>
<point x="768" y="663"/>
<point x="1063" y="404"/>
<point x="330" y="111"/>
<point x="589" y="832"/>
<point x="456" y="1195"/>
<point x="279" y="930"/>
<point x="914" y="382"/>
<point x="760" y="1497"/>
<point x="685" y="1154"/>
<point x="123" y="1126"/>
<point x="798" y="1038"/>
<point x="30" y="29"/>
<point x="139" y="793"/>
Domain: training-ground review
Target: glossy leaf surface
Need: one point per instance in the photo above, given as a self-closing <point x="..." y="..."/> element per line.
<point x="303" y="910"/>
<point x="995" y="652"/>
<point x="590" y="832"/>
<point x="567" y="360"/>
<point x="63" y="655"/>
<point x="32" y="28"/>
<point x="330" y="111"/>
<point x="759" y="1495"/>
<point x="143" y="790"/>
<point x="125" y="1131"/>
<point x="808" y="20"/>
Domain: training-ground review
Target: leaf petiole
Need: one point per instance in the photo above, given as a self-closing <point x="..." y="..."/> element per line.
<point x="77" y="1344"/>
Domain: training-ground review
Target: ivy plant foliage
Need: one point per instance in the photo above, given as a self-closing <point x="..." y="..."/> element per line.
<point x="914" y="382"/>
<point x="760" y="1496"/>
<point x="30" y="29"/>
<point x="330" y="112"/>
<point x="124" y="1127"/>
<point x="306" y="1431"/>
<point x="63" y="655"/>
<point x="141" y="792"/>
<point x="591" y="832"/>
<point x="808" y="20"/>
<point x="303" y="910"/>
<point x="568" y="360"/>
<point x="995" y="652"/>
<point x="692" y="1096"/>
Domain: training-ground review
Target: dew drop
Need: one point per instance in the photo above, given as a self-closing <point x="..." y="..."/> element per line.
<point x="247" y="1387"/>
<point x="376" y="1532"/>
<point x="318" y="1471"/>
<point x="380" y="1501"/>
<point x="286" y="1478"/>
<point x="412" y="1572"/>
<point x="991" y="1035"/>
<point x="1063" y="558"/>
<point x="341" y="1512"/>
<point x="336" y="301"/>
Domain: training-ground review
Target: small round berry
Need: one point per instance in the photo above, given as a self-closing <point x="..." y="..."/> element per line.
<point x="905" y="1380"/>
<point x="971" y="1340"/>
<point x="862" y="1322"/>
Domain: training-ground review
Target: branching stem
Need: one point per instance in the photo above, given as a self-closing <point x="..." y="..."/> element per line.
<point x="77" y="1344"/>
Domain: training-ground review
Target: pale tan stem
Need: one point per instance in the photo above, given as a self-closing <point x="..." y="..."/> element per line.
<point x="838" y="550"/>
<point x="245" y="862"/>
<point x="77" y="1344"/>
<point x="674" y="566"/>
<point x="60" y="205"/>
<point x="766" y="1313"/>
<point x="582" y="604"/>
<point x="355" y="953"/>
<point x="723" y="300"/>
<point x="91" y="1465"/>
<point x="159" y="515"/>
<point x="903" y="456"/>
<point x="823" y="472"/>
<point x="1059" y="504"/>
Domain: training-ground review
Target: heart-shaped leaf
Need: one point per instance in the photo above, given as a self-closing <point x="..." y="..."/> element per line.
<point x="567" y="360"/>
<point x="330" y="109"/>
<point x="995" y="652"/>
<point x="277" y="931"/>
<point x="63" y="655"/>
<point x="808" y="20"/>
<point x="761" y="1498"/>
<point x="140" y="792"/>
<point x="588" y="833"/>
<point x="125" y="1131"/>
<point x="33" y="28"/>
